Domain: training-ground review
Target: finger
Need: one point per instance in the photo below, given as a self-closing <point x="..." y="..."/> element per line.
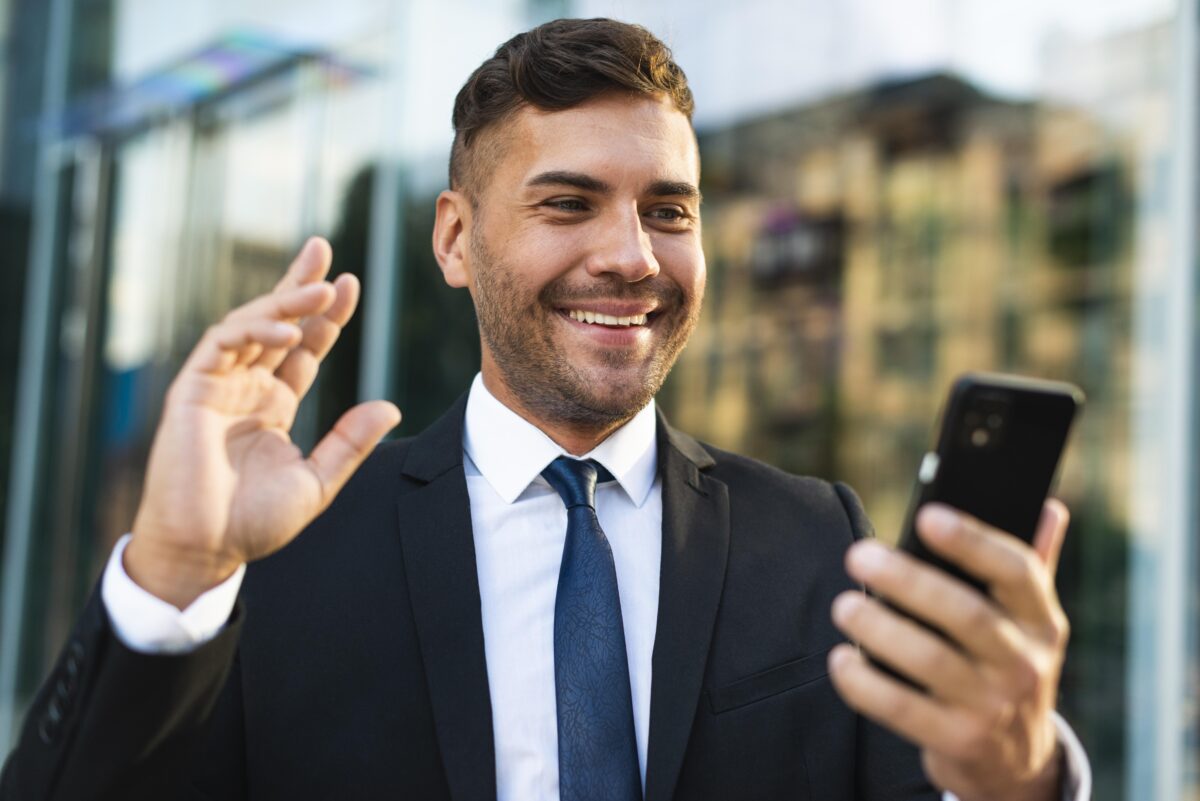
<point x="932" y="595"/>
<point x="311" y="264"/>
<point x="343" y="449"/>
<point x="249" y="354"/>
<point x="914" y="651"/>
<point x="912" y="714"/>
<point x="298" y="368"/>
<point x="1010" y="568"/>
<point x="348" y="290"/>
<point x="221" y="346"/>
<point x="1051" y="533"/>
<point x="288" y="304"/>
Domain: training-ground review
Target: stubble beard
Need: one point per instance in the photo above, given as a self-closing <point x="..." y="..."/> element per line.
<point x="519" y="334"/>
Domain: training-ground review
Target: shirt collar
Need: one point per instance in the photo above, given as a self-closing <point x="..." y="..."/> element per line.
<point x="511" y="453"/>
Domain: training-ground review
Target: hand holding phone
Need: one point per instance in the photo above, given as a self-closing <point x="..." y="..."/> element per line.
<point x="981" y="673"/>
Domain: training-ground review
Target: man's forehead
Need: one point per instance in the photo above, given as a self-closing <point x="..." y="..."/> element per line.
<point x="610" y="134"/>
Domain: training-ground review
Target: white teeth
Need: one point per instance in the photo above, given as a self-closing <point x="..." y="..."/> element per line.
<point x="596" y="318"/>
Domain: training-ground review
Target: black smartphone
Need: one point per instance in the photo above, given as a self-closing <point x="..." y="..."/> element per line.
<point x="996" y="457"/>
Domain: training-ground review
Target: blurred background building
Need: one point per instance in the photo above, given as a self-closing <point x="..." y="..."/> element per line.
<point x="895" y="192"/>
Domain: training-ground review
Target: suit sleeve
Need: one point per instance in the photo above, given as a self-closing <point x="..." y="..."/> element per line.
<point x="888" y="768"/>
<point x="112" y="723"/>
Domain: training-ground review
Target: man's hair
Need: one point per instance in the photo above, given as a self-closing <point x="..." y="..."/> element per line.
<point x="557" y="66"/>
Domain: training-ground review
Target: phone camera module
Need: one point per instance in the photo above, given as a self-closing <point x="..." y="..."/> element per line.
<point x="984" y="422"/>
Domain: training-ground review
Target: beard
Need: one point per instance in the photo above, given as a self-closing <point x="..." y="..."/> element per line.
<point x="524" y="334"/>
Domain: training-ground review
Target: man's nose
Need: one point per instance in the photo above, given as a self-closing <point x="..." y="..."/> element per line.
<point x="624" y="249"/>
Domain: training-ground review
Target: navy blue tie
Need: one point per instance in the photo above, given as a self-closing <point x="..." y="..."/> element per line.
<point x="597" y="749"/>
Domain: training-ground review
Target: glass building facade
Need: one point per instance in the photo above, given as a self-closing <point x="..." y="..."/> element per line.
<point x="895" y="193"/>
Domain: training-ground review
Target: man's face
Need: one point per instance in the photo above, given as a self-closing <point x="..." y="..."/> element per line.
<point x="584" y="259"/>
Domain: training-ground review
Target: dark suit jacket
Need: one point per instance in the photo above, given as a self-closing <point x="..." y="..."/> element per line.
<point x="353" y="666"/>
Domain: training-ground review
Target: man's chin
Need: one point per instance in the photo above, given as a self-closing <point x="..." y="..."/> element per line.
<point x="614" y="396"/>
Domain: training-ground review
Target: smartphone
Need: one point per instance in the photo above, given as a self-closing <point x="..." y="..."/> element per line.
<point x="997" y="454"/>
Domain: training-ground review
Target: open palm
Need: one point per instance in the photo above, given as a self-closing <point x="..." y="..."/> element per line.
<point x="225" y="484"/>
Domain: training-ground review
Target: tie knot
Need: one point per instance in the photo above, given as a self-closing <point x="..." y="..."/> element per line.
<point x="575" y="480"/>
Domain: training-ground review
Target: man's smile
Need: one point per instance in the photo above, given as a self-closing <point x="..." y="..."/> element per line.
<point x="598" y="318"/>
<point x="612" y="322"/>
<point x="611" y="330"/>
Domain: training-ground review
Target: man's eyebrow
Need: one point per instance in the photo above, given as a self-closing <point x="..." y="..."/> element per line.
<point x="578" y="180"/>
<point x="590" y="183"/>
<point x="674" y="189"/>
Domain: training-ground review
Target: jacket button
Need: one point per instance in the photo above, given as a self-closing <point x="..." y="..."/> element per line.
<point x="54" y="712"/>
<point x="48" y="725"/>
<point x="46" y="731"/>
<point x="74" y="660"/>
<point x="62" y="692"/>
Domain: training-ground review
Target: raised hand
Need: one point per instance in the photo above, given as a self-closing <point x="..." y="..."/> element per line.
<point x="985" y="726"/>
<point x="225" y="484"/>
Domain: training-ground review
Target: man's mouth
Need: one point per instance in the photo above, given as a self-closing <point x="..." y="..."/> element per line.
<point x="599" y="318"/>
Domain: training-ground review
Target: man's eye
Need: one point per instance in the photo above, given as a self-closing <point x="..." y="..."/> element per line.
<point x="566" y="204"/>
<point x="669" y="214"/>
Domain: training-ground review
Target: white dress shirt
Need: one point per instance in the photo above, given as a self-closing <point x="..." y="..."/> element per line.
<point x="519" y="525"/>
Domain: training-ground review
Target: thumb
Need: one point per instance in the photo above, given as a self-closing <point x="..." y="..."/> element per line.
<point x="348" y="443"/>
<point x="1051" y="531"/>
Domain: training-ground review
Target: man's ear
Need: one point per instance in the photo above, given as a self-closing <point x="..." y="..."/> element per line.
<point x="451" y="231"/>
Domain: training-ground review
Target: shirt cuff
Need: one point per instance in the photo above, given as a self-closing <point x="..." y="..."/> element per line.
<point x="1077" y="771"/>
<point x="148" y="624"/>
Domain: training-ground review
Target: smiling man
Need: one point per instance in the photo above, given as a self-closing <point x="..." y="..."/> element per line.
<point x="550" y="593"/>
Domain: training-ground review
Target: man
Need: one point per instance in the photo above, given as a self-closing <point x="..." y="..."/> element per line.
<point x="454" y="625"/>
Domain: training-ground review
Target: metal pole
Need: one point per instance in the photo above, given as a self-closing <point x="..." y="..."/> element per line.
<point x="36" y="341"/>
<point x="1163" y="504"/>
<point x="385" y="246"/>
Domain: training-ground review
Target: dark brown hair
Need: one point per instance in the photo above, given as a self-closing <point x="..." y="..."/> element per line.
<point x="557" y="66"/>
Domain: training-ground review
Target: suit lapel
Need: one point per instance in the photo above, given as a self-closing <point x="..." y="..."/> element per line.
<point x="695" y="549"/>
<point x="439" y="560"/>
